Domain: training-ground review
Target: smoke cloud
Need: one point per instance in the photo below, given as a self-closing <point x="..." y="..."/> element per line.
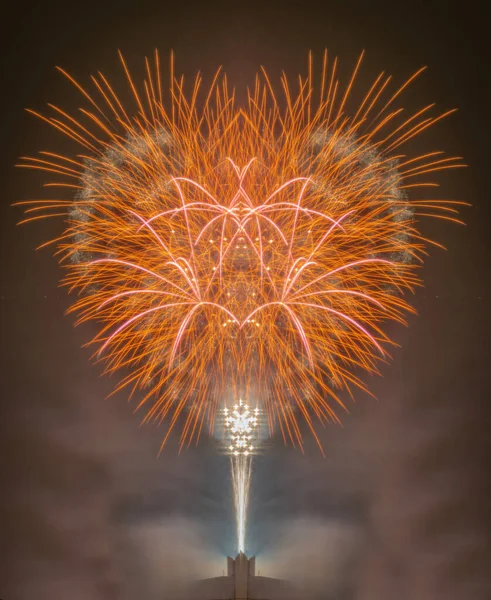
<point x="163" y="557"/>
<point x="314" y="554"/>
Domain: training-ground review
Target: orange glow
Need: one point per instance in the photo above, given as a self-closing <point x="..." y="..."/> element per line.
<point x="251" y="251"/>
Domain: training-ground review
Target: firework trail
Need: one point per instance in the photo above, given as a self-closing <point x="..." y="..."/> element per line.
<point x="241" y="423"/>
<point x="241" y="468"/>
<point x="251" y="251"/>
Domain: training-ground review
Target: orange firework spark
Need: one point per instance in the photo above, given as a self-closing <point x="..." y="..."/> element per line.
<point x="252" y="251"/>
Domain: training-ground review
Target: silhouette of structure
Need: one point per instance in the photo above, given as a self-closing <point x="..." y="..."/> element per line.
<point x="242" y="583"/>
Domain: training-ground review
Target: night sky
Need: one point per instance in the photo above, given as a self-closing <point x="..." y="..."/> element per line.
<point x="400" y="506"/>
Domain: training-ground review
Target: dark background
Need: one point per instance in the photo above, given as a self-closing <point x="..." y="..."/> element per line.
<point x="400" y="506"/>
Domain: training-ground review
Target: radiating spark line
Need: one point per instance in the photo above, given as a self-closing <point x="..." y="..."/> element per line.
<point x="135" y="318"/>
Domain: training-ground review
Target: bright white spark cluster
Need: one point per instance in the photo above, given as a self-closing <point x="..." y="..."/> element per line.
<point x="241" y="423"/>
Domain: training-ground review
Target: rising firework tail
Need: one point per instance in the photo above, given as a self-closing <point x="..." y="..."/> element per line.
<point x="242" y="428"/>
<point x="253" y="250"/>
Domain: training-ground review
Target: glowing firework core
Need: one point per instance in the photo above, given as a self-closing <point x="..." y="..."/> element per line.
<point x="241" y="424"/>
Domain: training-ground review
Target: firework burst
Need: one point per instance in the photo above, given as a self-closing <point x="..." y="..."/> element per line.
<point x="250" y="251"/>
